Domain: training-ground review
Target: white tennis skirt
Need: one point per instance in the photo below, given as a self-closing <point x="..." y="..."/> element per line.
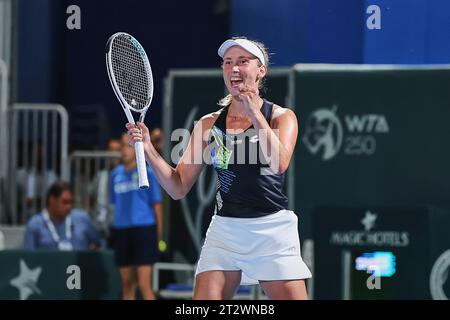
<point x="264" y="248"/>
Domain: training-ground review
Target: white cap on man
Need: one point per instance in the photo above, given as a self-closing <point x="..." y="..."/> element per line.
<point x="245" y="44"/>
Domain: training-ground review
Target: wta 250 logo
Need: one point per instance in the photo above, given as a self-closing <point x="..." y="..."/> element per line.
<point x="326" y="134"/>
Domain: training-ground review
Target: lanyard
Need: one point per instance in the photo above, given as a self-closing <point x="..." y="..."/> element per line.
<point x="52" y="228"/>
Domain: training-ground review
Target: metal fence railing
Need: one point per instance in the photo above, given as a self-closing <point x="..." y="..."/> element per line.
<point x="11" y="237"/>
<point x="89" y="174"/>
<point x="3" y="136"/>
<point x="6" y="13"/>
<point x="7" y="33"/>
<point x="38" y="156"/>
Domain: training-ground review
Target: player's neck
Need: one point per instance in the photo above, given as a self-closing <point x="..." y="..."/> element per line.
<point x="237" y="107"/>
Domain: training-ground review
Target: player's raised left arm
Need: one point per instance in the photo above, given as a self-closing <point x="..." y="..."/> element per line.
<point x="279" y="139"/>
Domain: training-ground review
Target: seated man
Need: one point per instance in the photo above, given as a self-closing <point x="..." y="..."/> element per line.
<point x="59" y="226"/>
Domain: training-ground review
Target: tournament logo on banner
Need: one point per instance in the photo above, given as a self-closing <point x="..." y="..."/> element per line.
<point x="27" y="280"/>
<point x="327" y="134"/>
<point x="439" y="276"/>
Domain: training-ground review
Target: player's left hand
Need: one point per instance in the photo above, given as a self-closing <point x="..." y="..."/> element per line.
<point x="250" y="98"/>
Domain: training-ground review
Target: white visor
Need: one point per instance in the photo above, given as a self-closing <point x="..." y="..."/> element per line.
<point x="245" y="44"/>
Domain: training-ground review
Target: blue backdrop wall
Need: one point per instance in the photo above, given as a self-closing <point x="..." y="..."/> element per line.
<point x="67" y="66"/>
<point x="330" y="31"/>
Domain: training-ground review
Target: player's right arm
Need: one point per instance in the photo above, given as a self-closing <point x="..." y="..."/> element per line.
<point x="179" y="180"/>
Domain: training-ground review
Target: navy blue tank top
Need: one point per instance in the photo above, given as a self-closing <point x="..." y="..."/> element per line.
<point x="246" y="187"/>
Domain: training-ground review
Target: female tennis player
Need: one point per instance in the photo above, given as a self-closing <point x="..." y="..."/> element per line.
<point x="252" y="236"/>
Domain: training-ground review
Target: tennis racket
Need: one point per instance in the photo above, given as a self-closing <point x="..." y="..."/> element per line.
<point x="131" y="78"/>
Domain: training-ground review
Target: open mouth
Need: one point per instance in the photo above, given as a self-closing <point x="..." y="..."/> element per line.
<point x="235" y="81"/>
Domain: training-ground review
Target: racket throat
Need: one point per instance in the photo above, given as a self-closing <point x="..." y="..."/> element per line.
<point x="142" y="116"/>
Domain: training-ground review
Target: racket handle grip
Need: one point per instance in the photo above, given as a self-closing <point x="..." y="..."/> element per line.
<point x="141" y="166"/>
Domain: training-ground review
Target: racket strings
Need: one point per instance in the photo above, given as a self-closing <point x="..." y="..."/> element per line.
<point x="131" y="73"/>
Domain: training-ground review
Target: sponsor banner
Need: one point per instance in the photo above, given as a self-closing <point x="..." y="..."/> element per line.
<point x="393" y="245"/>
<point x="370" y="135"/>
<point x="45" y="274"/>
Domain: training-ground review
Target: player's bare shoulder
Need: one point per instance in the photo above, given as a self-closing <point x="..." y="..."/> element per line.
<point x="280" y="114"/>
<point x="210" y="118"/>
<point x="204" y="125"/>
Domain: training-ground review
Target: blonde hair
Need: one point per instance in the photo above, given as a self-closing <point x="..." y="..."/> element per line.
<point x="226" y="101"/>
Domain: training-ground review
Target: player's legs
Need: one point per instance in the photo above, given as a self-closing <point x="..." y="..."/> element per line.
<point x="216" y="285"/>
<point x="285" y="289"/>
<point x="145" y="282"/>
<point x="127" y="278"/>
